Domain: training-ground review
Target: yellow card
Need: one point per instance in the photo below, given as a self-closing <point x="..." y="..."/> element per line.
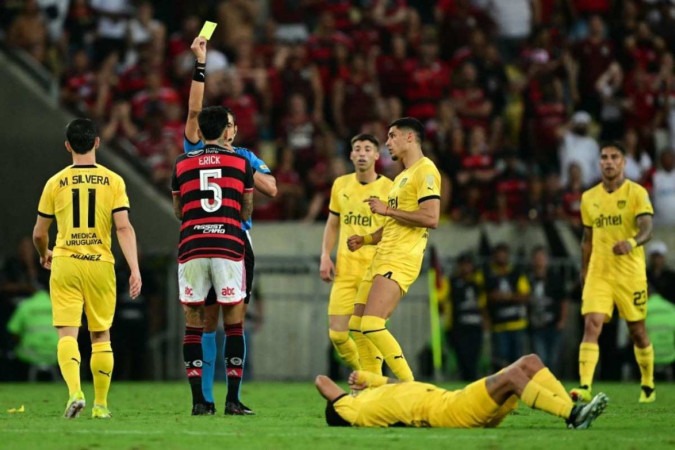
<point x="207" y="29"/>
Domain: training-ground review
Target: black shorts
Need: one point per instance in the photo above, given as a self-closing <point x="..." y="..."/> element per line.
<point x="249" y="265"/>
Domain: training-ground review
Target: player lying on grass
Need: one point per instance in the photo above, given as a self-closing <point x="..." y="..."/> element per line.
<point x="481" y="404"/>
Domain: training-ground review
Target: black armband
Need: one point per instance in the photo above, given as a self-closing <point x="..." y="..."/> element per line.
<point x="199" y="74"/>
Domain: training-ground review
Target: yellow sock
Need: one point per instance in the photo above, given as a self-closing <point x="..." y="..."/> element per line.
<point x="346" y="348"/>
<point x="374" y="328"/>
<point x="102" y="362"/>
<point x="68" y="354"/>
<point x="588" y="359"/>
<point x="645" y="359"/>
<point x="370" y="358"/>
<point x="538" y="397"/>
<point x="546" y="378"/>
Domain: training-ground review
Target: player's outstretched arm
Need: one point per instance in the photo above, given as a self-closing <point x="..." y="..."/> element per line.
<point x="41" y="240"/>
<point x="127" y="239"/>
<point x="196" y="98"/>
<point x="330" y="234"/>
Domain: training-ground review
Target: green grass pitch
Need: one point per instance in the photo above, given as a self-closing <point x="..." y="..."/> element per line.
<point x="290" y="416"/>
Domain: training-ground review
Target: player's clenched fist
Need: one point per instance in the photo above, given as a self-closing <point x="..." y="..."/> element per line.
<point x="622" y="248"/>
<point x="355" y="242"/>
<point x="377" y="206"/>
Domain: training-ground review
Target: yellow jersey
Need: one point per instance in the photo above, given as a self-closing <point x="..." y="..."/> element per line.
<point x="612" y="216"/>
<point x="416" y="184"/>
<point x="347" y="201"/>
<point x="83" y="199"/>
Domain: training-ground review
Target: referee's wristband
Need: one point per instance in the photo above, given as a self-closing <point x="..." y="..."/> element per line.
<point x="633" y="243"/>
<point x="199" y="74"/>
<point x="367" y="239"/>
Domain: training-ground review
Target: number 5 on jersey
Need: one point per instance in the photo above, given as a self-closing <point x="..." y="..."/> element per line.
<point x="205" y="184"/>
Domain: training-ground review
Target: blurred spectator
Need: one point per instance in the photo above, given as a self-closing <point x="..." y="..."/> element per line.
<point x="663" y="190"/>
<point x="577" y="146"/>
<point x="511" y="188"/>
<point x="79" y="27"/>
<point x="508" y="295"/>
<point x="244" y="107"/>
<point x="638" y="161"/>
<point x="429" y="77"/>
<point x="547" y="309"/>
<point x="144" y="29"/>
<point x="35" y="336"/>
<point x="549" y="114"/>
<point x="661" y="278"/>
<point x="571" y="198"/>
<point x="594" y="55"/>
<point x="237" y="20"/>
<point x="354" y="98"/>
<point x="289" y="202"/>
<point x="609" y="88"/>
<point x="112" y="27"/>
<point x="514" y="19"/>
<point x="393" y="67"/>
<point x="467" y="316"/>
<point x="29" y="31"/>
<point x="642" y="105"/>
<point x="473" y="107"/>
<point x="157" y="148"/>
<point x="79" y="83"/>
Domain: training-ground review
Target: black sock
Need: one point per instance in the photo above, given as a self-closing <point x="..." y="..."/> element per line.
<point x="192" y="356"/>
<point x="234" y="359"/>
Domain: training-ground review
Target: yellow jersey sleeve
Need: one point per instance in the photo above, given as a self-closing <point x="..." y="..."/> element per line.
<point x="642" y="202"/>
<point x="121" y="201"/>
<point x="585" y="214"/>
<point x="428" y="183"/>
<point x="334" y="205"/>
<point x="46" y="205"/>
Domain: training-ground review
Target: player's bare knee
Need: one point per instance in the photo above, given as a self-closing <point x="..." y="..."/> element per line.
<point x="530" y="364"/>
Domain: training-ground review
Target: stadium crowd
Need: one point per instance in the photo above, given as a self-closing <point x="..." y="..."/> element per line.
<point x="515" y="95"/>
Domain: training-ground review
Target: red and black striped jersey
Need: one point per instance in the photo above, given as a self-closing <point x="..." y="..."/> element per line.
<point x="211" y="183"/>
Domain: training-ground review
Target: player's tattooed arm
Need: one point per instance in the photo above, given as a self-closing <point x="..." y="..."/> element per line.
<point x="645" y="227"/>
<point x="586" y="249"/>
<point x="247" y="206"/>
<point x="644" y="223"/>
<point x="177" y="207"/>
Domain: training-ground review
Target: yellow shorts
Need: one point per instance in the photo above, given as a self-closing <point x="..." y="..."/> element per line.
<point x="76" y="284"/>
<point x="404" y="271"/>
<point x="630" y="297"/>
<point x="471" y="407"/>
<point x="343" y="295"/>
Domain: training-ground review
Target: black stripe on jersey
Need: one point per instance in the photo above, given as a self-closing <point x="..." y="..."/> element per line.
<point x="121" y="208"/>
<point x="333" y="212"/>
<point x="644" y="214"/>
<point x="430" y="197"/>
<point x="48" y="216"/>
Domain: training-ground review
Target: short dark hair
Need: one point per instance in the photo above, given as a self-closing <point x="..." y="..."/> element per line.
<point x="412" y="124"/>
<point x="81" y="134"/>
<point x="614" y="144"/>
<point x="366" y="137"/>
<point x="332" y="417"/>
<point x="213" y="120"/>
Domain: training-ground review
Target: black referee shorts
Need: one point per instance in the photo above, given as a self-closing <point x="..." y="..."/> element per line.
<point x="249" y="266"/>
